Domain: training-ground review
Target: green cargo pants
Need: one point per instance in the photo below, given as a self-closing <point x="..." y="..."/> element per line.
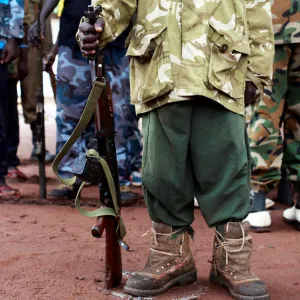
<point x="195" y="148"/>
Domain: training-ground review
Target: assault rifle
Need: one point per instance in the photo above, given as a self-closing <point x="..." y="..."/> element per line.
<point x="100" y="167"/>
<point x="40" y="122"/>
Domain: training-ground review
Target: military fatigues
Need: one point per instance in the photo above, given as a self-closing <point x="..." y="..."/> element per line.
<point x="128" y="136"/>
<point x="72" y="94"/>
<point x="28" y="100"/>
<point x="183" y="52"/>
<point x="73" y="87"/>
<point x="279" y="105"/>
<point x="28" y="83"/>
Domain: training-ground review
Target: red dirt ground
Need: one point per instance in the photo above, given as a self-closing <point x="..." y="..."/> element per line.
<point x="47" y="252"/>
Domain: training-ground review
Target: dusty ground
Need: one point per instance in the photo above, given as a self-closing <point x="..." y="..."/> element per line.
<point x="47" y="251"/>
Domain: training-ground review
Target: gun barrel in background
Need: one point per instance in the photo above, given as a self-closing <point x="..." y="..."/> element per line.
<point x="40" y="120"/>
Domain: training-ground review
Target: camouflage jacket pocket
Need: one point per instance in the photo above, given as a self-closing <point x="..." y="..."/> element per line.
<point x="150" y="68"/>
<point x="227" y="64"/>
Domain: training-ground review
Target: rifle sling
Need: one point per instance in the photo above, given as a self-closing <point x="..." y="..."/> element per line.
<point x="97" y="89"/>
<point x="103" y="211"/>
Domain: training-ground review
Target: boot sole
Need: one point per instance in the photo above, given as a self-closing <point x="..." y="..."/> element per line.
<point x="181" y="280"/>
<point x="260" y="229"/>
<point x="220" y="281"/>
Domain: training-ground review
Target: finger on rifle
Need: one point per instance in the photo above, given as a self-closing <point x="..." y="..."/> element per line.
<point x="88" y="53"/>
<point x="86" y="28"/>
<point x="88" y="39"/>
<point x="99" y="25"/>
<point x="90" y="46"/>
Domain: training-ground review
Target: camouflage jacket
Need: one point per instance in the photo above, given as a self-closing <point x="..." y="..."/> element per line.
<point x="286" y="21"/>
<point x="180" y="49"/>
<point x="11" y="20"/>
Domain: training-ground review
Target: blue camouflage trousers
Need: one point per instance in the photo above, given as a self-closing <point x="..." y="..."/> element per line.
<point x="128" y="136"/>
<point x="73" y="87"/>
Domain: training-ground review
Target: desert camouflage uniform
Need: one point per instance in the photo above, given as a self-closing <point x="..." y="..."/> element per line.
<point x="196" y="48"/>
<point x="183" y="53"/>
<point x="279" y="105"/>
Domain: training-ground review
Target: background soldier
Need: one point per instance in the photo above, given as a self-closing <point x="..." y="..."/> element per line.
<point x="279" y="106"/>
<point x="11" y="33"/>
<point x="24" y="69"/>
<point x="189" y="63"/>
<point x="73" y="87"/>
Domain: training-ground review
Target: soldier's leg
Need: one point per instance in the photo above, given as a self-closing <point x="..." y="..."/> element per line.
<point x="117" y="69"/>
<point x="73" y="87"/>
<point x="221" y="163"/>
<point x="28" y="100"/>
<point x="168" y="186"/>
<point x="135" y="147"/>
<point x="28" y="89"/>
<point x="13" y="124"/>
<point x="291" y="156"/>
<point x="3" y="114"/>
<point x="5" y="190"/>
<point x="266" y="141"/>
<point x="168" y="182"/>
<point x="13" y="133"/>
<point x="196" y="147"/>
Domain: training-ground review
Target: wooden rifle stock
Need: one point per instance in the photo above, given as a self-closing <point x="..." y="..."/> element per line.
<point x="113" y="259"/>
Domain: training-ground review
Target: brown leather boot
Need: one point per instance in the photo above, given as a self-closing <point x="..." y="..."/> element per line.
<point x="231" y="263"/>
<point x="170" y="262"/>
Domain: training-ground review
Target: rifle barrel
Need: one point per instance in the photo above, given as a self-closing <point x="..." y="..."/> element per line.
<point x="40" y="119"/>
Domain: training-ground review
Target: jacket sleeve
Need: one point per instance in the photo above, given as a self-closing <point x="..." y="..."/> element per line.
<point x="261" y="40"/>
<point x="117" y="15"/>
<point x="16" y="19"/>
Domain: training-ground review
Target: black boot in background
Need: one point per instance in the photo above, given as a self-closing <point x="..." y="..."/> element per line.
<point x="259" y="217"/>
<point x="285" y="189"/>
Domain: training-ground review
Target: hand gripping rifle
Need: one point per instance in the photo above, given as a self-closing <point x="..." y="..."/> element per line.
<point x="40" y="121"/>
<point x="100" y="166"/>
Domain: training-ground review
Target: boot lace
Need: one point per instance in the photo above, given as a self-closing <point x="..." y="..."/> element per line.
<point x="226" y="243"/>
<point x="154" y="233"/>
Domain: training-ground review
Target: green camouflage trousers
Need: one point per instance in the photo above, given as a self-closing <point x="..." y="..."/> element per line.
<point x="280" y="105"/>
